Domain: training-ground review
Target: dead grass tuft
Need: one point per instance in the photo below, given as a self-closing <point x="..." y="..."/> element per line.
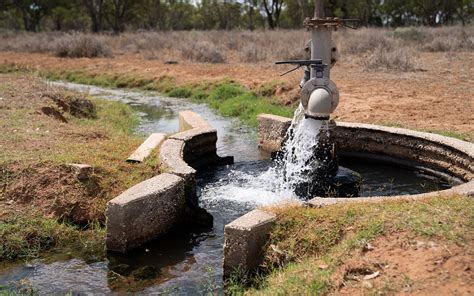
<point x="396" y="59"/>
<point x="365" y="40"/>
<point x="202" y="51"/>
<point x="81" y="46"/>
<point x="73" y="103"/>
<point x="450" y="43"/>
<point x="251" y="54"/>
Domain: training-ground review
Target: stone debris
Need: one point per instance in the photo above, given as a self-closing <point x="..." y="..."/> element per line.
<point x="147" y="147"/>
<point x="82" y="171"/>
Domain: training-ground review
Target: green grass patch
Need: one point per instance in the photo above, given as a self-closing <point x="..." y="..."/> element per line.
<point x="227" y="97"/>
<point x="310" y="237"/>
<point x="25" y="238"/>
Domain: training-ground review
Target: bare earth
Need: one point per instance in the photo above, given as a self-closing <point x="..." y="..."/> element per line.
<point x="440" y="96"/>
<point x="441" y="268"/>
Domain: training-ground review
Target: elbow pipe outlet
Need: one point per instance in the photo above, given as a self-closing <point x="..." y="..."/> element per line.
<point x="319" y="98"/>
<point x="320" y="105"/>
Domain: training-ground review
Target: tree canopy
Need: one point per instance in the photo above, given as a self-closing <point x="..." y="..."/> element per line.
<point x="121" y="15"/>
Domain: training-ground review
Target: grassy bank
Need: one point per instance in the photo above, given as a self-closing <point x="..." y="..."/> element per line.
<point x="44" y="130"/>
<point x="330" y="250"/>
<point x="26" y="237"/>
<point x="227" y="97"/>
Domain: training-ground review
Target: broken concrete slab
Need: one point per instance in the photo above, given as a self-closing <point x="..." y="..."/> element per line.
<point x="171" y="159"/>
<point x="245" y="238"/>
<point x="144" y="212"/>
<point x="189" y="120"/>
<point x="145" y="149"/>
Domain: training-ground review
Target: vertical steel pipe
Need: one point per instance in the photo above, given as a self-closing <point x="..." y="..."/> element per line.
<point x="319" y="8"/>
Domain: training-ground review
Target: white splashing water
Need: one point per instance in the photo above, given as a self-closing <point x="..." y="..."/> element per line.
<point x="278" y="183"/>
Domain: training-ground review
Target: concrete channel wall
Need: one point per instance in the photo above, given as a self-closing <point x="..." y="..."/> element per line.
<point x="152" y="207"/>
<point x="246" y="236"/>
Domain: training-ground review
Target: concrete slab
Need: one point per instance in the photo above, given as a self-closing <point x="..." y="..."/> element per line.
<point x="245" y="238"/>
<point x="189" y="120"/>
<point x="145" y="149"/>
<point x="171" y="159"/>
<point x="144" y="212"/>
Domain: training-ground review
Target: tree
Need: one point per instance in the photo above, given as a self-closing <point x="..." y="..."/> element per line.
<point x="95" y="8"/>
<point x="119" y="12"/>
<point x="32" y="11"/>
<point x="273" y="10"/>
<point x="153" y="13"/>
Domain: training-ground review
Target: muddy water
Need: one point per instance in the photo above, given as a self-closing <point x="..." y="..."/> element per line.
<point x="189" y="261"/>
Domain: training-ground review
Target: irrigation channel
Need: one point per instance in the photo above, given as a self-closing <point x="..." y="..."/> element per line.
<point x="189" y="261"/>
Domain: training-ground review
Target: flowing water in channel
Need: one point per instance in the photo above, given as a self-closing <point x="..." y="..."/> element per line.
<point x="189" y="261"/>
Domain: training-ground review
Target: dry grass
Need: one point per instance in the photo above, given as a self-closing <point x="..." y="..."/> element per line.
<point x="398" y="59"/>
<point x="81" y="46"/>
<point x="390" y="46"/>
<point x="37" y="146"/>
<point x="202" y="51"/>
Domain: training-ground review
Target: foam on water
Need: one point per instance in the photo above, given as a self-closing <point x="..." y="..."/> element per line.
<point x="277" y="183"/>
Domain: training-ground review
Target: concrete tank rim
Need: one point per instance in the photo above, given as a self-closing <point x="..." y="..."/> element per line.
<point x="460" y="145"/>
<point x="464" y="147"/>
<point x="466" y="188"/>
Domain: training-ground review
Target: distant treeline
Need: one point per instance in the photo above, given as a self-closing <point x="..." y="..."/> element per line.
<point x="121" y="15"/>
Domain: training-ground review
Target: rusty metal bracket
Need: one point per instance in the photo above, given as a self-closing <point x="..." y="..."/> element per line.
<point x="330" y="22"/>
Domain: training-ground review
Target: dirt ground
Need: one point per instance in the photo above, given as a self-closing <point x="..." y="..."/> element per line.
<point x="438" y="97"/>
<point x="387" y="266"/>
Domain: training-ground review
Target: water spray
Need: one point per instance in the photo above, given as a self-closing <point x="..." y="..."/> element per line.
<point x="319" y="98"/>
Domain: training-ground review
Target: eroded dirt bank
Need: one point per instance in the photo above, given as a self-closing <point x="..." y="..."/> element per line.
<point x="44" y="130"/>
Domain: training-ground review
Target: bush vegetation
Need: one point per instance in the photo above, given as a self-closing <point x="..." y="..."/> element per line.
<point x="202" y="51"/>
<point x="388" y="46"/>
<point x="81" y="46"/>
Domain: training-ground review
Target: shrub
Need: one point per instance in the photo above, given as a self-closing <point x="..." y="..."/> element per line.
<point x="450" y="43"/>
<point x="409" y="34"/>
<point x="180" y="92"/>
<point x="203" y="52"/>
<point x="28" y="42"/>
<point x="399" y="59"/>
<point x="81" y="46"/>
<point x="365" y="40"/>
<point x="251" y="54"/>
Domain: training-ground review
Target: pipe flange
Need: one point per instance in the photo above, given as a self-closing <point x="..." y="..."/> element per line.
<point x="315" y="83"/>
<point x="316" y="22"/>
